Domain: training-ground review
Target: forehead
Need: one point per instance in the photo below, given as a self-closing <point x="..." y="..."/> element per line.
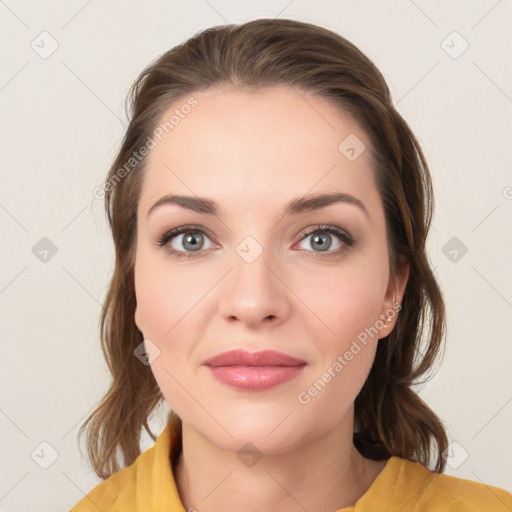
<point x="239" y="146"/>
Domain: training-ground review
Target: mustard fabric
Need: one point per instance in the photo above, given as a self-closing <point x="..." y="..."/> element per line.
<point x="148" y="485"/>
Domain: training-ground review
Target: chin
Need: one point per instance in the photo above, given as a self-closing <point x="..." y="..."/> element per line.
<point x="268" y="433"/>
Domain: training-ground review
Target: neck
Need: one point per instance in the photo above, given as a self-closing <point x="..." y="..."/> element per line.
<point x="325" y="474"/>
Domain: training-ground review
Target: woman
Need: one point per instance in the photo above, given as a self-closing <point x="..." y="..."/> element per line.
<point x="270" y="209"/>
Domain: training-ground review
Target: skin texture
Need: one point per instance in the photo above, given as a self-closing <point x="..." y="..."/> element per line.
<point x="252" y="153"/>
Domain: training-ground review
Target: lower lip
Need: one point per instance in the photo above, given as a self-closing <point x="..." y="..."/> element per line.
<point x="255" y="378"/>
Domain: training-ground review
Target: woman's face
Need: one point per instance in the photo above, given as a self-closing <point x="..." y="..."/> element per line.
<point x="256" y="276"/>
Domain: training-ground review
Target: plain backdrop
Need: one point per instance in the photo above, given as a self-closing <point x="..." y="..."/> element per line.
<point x="66" y="69"/>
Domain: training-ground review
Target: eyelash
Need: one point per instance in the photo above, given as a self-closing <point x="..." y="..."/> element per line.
<point x="347" y="240"/>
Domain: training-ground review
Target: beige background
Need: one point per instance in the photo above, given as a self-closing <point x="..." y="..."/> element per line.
<point x="62" y="120"/>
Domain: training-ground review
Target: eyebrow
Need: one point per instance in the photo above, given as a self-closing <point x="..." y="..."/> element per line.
<point x="295" y="206"/>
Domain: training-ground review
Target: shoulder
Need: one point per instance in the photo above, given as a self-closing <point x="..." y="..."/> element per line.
<point x="112" y="494"/>
<point x="146" y="484"/>
<point x="467" y="495"/>
<point x="441" y="492"/>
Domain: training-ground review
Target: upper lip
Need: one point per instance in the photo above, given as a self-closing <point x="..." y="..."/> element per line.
<point x="244" y="358"/>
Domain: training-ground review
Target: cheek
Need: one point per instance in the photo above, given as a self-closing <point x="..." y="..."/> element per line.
<point x="356" y="304"/>
<point x="346" y="353"/>
<point x="167" y="299"/>
<point x="171" y="306"/>
<point x="348" y="300"/>
<point x="165" y="308"/>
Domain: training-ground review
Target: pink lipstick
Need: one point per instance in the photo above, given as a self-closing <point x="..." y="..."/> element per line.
<point x="254" y="371"/>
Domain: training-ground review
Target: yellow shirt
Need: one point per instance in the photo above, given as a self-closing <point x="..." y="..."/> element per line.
<point x="148" y="485"/>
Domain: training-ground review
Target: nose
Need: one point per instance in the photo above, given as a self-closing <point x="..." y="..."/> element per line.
<point x="255" y="293"/>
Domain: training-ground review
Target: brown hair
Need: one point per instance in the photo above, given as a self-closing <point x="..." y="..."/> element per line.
<point x="390" y="418"/>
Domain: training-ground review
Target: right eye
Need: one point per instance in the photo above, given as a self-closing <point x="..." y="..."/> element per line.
<point x="189" y="238"/>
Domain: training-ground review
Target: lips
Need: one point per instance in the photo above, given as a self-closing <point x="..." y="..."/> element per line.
<point x="254" y="371"/>
<point x="253" y="359"/>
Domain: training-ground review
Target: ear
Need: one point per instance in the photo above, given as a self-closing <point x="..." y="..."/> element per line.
<point x="393" y="298"/>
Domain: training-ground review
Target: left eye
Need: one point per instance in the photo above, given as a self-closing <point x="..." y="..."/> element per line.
<point x="323" y="242"/>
